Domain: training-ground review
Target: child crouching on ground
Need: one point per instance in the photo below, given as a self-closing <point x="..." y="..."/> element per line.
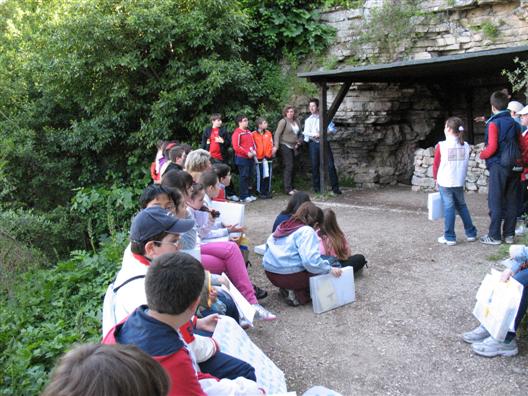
<point x="264" y="155"/>
<point x="172" y="285"/>
<point x="292" y="255"/>
<point x="449" y="170"/>
<point x="482" y="342"/>
<point x="333" y="243"/>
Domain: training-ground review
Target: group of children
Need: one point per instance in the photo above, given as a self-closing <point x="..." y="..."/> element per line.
<point x="170" y="293"/>
<point x="253" y="156"/>
<point x="506" y="156"/>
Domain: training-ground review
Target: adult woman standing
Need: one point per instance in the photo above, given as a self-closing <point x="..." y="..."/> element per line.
<point x="286" y="140"/>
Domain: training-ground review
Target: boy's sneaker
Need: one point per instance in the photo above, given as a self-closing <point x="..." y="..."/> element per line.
<point x="478" y="334"/>
<point x="510" y="240"/>
<point x="520" y="230"/>
<point x="487" y="240"/>
<point x="253" y="198"/>
<point x="289" y="297"/>
<point x="247" y="200"/>
<point x="471" y="239"/>
<point x="233" y="198"/>
<point x="446" y="242"/>
<point x="490" y="347"/>
<point x="262" y="313"/>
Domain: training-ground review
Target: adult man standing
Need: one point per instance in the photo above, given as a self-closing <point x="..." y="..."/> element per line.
<point x="312" y="137"/>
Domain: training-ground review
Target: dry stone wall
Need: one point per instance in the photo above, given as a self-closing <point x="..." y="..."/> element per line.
<point x="380" y="126"/>
<point x="476" y="178"/>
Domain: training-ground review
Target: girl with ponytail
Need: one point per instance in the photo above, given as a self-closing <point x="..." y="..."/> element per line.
<point x="449" y="171"/>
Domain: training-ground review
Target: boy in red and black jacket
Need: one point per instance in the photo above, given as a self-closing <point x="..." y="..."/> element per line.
<point x="245" y="151"/>
<point x="503" y="182"/>
<point x="217" y="141"/>
<point x="172" y="285"/>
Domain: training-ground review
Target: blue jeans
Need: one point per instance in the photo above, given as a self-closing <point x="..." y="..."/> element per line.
<point x="264" y="184"/>
<point x="314" y="160"/>
<point x="222" y="365"/>
<point x="246" y="168"/>
<point x="503" y="186"/>
<point x="522" y="278"/>
<point x="453" y="201"/>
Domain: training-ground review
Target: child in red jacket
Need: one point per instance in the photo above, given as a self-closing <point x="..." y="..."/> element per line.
<point x="245" y="151"/>
<point x="264" y="153"/>
<point x="173" y="284"/>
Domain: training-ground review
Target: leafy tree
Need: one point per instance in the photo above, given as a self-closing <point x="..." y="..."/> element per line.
<point x="90" y="86"/>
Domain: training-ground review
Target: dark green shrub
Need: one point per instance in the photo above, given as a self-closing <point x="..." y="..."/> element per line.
<point x="51" y="309"/>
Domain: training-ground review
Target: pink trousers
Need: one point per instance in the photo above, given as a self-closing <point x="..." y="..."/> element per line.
<point x="219" y="257"/>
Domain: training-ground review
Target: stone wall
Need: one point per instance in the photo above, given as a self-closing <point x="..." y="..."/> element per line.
<point x="380" y="126"/>
<point x="476" y="178"/>
<point x="448" y="27"/>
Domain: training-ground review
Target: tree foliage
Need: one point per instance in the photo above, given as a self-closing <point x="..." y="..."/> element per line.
<point x="88" y="87"/>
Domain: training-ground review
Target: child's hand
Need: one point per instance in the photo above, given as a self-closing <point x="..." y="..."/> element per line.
<point x="223" y="280"/>
<point x="208" y="323"/>
<point x="235" y="228"/>
<point x="251" y="154"/>
<point x="479" y="119"/>
<point x="274" y="151"/>
<point x="336" y="272"/>
<point x="506" y="275"/>
<point x="213" y="294"/>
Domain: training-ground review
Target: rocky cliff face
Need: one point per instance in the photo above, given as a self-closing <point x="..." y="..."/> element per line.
<point x="380" y="126"/>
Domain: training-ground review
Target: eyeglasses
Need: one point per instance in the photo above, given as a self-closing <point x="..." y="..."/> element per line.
<point x="176" y="244"/>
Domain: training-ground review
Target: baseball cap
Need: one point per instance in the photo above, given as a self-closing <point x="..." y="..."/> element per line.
<point x="155" y="220"/>
<point x="515" y="106"/>
<point x="523" y="111"/>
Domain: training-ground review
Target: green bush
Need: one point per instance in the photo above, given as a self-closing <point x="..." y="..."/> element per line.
<point x="54" y="233"/>
<point x="105" y="211"/>
<point x="51" y="309"/>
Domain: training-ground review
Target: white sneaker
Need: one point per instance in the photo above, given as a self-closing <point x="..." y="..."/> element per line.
<point x="446" y="242"/>
<point x="520" y="230"/>
<point x="233" y="198"/>
<point x="490" y="347"/>
<point x="252" y="197"/>
<point x="262" y="313"/>
<point x="247" y="200"/>
<point x="478" y="334"/>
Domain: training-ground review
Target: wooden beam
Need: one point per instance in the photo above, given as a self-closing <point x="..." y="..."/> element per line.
<point x="338" y="100"/>
<point x="323" y="125"/>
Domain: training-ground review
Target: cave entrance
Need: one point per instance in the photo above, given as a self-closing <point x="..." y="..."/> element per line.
<point x="461" y="85"/>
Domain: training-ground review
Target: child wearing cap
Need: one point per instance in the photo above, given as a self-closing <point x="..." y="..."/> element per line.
<point x="172" y="286"/>
<point x="154" y="232"/>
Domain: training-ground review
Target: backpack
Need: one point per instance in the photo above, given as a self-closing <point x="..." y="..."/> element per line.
<point x="511" y="157"/>
<point x="109" y="319"/>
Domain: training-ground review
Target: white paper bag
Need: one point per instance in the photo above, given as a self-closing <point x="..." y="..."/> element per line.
<point x="329" y="292"/>
<point x="497" y="304"/>
<point x="235" y="342"/>
<point x="435" y="207"/>
<point x="230" y="213"/>
<point x="245" y="309"/>
<point x="265" y="168"/>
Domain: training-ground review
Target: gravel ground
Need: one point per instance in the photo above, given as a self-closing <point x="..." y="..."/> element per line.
<point x="402" y="335"/>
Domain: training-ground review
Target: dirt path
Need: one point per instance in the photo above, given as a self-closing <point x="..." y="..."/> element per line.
<point x="402" y="335"/>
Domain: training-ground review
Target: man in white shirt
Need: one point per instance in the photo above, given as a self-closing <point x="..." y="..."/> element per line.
<point x="312" y="137"/>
